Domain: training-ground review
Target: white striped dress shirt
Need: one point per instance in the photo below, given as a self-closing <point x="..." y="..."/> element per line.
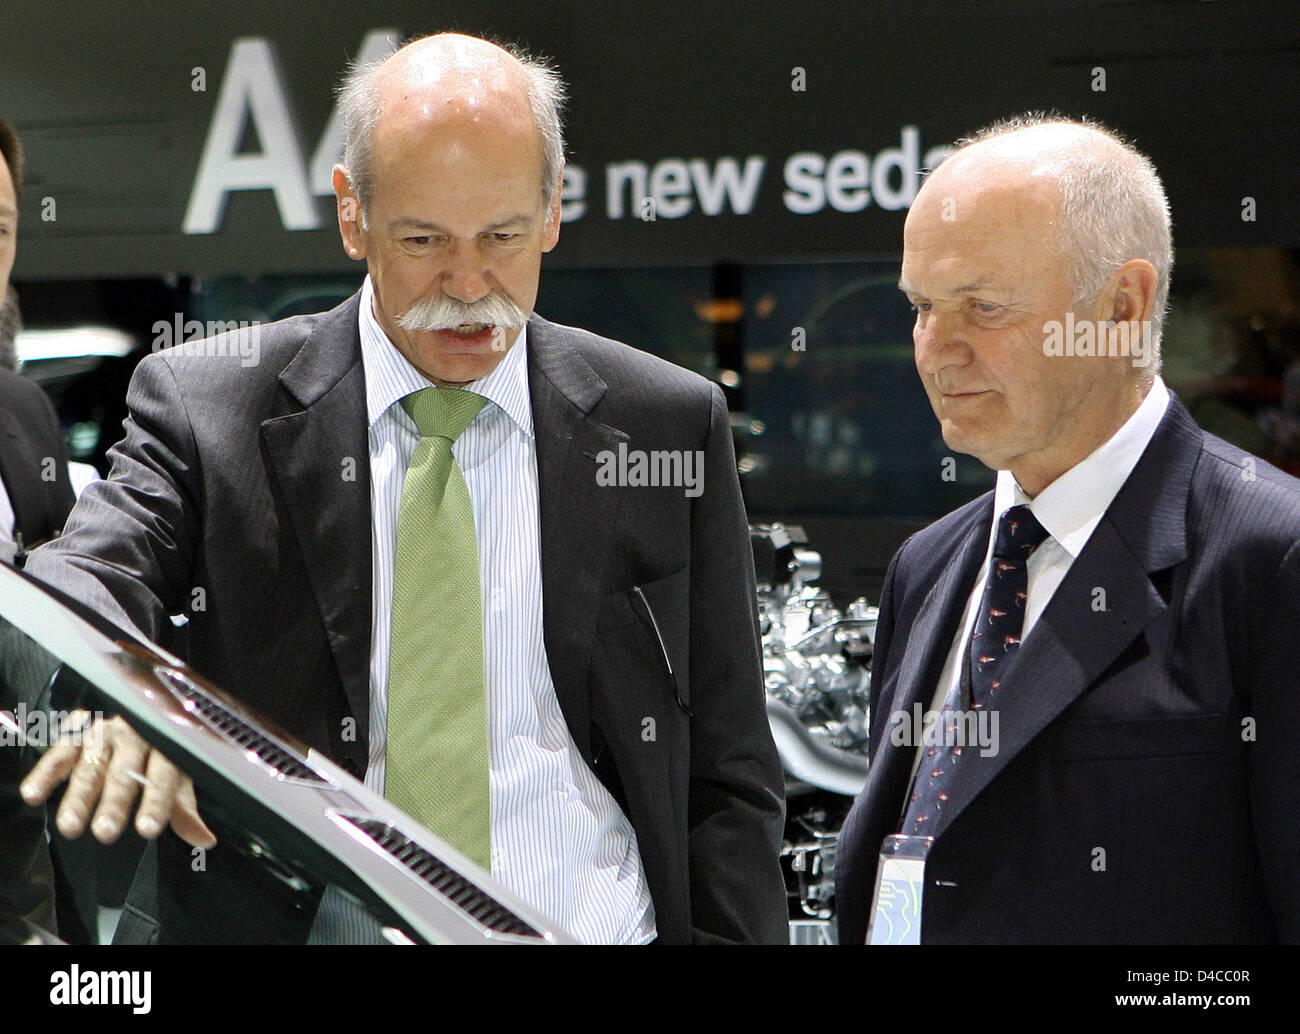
<point x="559" y="840"/>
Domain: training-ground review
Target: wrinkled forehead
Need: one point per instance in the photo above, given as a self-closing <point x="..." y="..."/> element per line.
<point x="451" y="99"/>
<point x="988" y="191"/>
<point x="977" y="224"/>
<point x="484" y="119"/>
<point x="987" y="197"/>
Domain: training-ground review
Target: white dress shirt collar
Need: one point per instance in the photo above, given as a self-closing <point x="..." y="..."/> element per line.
<point x="1071" y="507"/>
<point x="390" y="377"/>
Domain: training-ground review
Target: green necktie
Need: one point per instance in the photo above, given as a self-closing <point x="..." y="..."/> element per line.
<point x="437" y="760"/>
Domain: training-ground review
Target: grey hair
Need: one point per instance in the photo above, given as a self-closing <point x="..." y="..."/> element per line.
<point x="360" y="103"/>
<point x="1112" y="209"/>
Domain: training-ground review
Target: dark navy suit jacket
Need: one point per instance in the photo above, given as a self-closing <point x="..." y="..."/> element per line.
<point x="1147" y="785"/>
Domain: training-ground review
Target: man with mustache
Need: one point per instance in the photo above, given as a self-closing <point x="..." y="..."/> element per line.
<point x="407" y="561"/>
<point x="1125" y="603"/>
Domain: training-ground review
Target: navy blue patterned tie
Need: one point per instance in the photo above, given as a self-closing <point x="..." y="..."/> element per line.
<point x="1001" y="618"/>
<point x="994" y="640"/>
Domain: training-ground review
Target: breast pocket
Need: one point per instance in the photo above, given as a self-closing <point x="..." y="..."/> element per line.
<point x="648" y="627"/>
<point x="1176" y="736"/>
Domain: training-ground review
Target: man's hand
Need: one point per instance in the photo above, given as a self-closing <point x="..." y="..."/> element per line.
<point x="105" y="765"/>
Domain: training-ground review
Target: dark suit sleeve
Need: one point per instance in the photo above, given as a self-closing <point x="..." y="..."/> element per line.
<point x="880" y="648"/>
<point x="736" y="816"/>
<point x="1274" y="766"/>
<point x="855" y="858"/>
<point x="128" y="546"/>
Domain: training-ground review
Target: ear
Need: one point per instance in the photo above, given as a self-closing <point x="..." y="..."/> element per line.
<point x="1131" y="292"/>
<point x="349" y="213"/>
<point x="551" y="231"/>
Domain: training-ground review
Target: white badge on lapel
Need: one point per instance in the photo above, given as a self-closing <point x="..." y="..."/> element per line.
<point x="900" y="880"/>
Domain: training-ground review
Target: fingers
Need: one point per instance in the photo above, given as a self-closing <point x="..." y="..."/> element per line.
<point x="169" y="797"/>
<point x="105" y="765"/>
<point x="161" y="781"/>
<point x="119" y="788"/>
<point x="186" y="821"/>
<point x="58" y="762"/>
<point x="85" y="784"/>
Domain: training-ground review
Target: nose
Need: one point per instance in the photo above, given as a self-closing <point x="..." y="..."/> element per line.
<point x="939" y="341"/>
<point x="465" y="275"/>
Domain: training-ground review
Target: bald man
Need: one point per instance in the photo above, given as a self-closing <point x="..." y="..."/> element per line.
<point x="1085" y="698"/>
<point x="411" y="562"/>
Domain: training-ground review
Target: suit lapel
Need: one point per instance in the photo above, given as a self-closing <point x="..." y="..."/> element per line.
<point x="319" y="455"/>
<point x="576" y="515"/>
<point x="930" y="637"/>
<point x="21" y="472"/>
<point x="929" y="640"/>
<point x="1074" y="643"/>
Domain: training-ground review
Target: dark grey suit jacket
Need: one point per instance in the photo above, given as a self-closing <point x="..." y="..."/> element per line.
<point x="1147" y="786"/>
<point x="241" y="496"/>
<point x="31" y="443"/>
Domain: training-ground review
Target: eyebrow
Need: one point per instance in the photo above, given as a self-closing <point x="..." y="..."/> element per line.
<point x="427" y="227"/>
<point x="8" y="210"/>
<point x="971" y="288"/>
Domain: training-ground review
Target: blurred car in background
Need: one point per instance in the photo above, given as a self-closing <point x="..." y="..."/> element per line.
<point x="85" y="370"/>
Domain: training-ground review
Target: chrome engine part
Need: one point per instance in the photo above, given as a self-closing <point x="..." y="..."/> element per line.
<point x="817" y="667"/>
<point x="816" y="662"/>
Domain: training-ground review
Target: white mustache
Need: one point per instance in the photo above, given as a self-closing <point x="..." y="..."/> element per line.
<point x="493" y="310"/>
